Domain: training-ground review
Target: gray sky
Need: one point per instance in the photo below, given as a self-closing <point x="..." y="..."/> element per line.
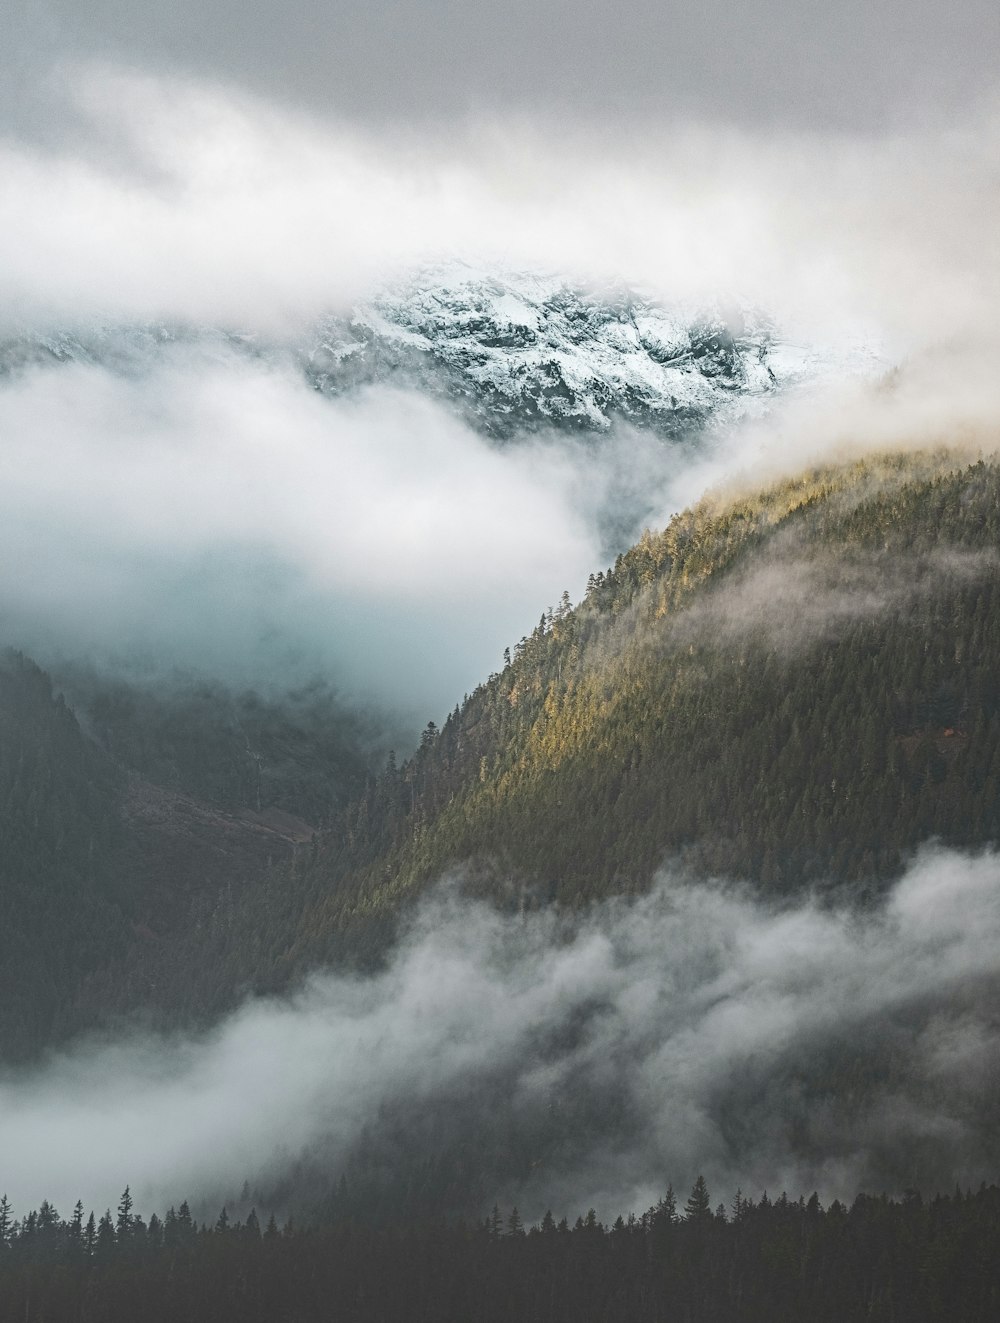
<point x="849" y="64"/>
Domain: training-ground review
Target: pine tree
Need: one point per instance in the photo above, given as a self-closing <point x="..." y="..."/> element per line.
<point x="124" y="1223"/>
<point x="665" y="1212"/>
<point x="105" y="1243"/>
<point x="698" y="1207"/>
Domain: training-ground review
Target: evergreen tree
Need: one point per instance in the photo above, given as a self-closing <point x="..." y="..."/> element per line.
<point x="698" y="1207"/>
<point x="123" y="1225"/>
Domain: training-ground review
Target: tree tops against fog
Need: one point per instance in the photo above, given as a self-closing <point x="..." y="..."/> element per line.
<point x="770" y="1260"/>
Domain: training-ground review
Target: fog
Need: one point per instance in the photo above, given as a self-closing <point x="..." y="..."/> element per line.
<point x="181" y="199"/>
<point x="795" y="597"/>
<point x="202" y="510"/>
<point x="696" y="1029"/>
<point x="215" y="513"/>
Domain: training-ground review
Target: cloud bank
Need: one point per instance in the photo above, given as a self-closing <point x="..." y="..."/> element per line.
<point x="214" y="512"/>
<point x="181" y="200"/>
<point x="694" y="1030"/>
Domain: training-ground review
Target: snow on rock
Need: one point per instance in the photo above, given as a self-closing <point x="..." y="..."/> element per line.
<point x="516" y="351"/>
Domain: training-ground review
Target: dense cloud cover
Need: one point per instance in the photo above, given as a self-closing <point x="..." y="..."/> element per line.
<point x="777" y="63"/>
<point x="693" y="1030"/>
<point x="216" y="513"/>
<point x="179" y="199"/>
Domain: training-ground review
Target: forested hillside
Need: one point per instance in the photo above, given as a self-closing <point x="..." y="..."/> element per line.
<point x="795" y="687"/>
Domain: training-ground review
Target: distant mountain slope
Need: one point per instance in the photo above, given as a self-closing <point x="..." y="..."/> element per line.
<point x="61" y="913"/>
<point x="122" y="821"/>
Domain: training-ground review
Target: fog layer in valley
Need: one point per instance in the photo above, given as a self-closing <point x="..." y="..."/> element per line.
<point x="693" y="1030"/>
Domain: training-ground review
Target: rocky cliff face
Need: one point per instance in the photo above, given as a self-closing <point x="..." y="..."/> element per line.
<point x="522" y="351"/>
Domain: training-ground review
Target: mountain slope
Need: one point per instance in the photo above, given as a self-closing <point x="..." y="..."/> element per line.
<point x="60" y="912"/>
<point x="793" y="689"/>
<point x="796" y="688"/>
<point x="121" y="821"/>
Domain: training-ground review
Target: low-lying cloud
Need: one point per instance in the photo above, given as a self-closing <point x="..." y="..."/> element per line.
<point x="224" y="515"/>
<point x="793" y="599"/>
<point x="212" y="512"/>
<point x="696" y="1029"/>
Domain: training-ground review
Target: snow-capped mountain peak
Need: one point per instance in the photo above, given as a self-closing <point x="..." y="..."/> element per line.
<point x="519" y="350"/>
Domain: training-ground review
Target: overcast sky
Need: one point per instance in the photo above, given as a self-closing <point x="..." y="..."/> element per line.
<point x="852" y="64"/>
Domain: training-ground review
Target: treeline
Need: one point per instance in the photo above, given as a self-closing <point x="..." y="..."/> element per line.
<point x="881" y="1260"/>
